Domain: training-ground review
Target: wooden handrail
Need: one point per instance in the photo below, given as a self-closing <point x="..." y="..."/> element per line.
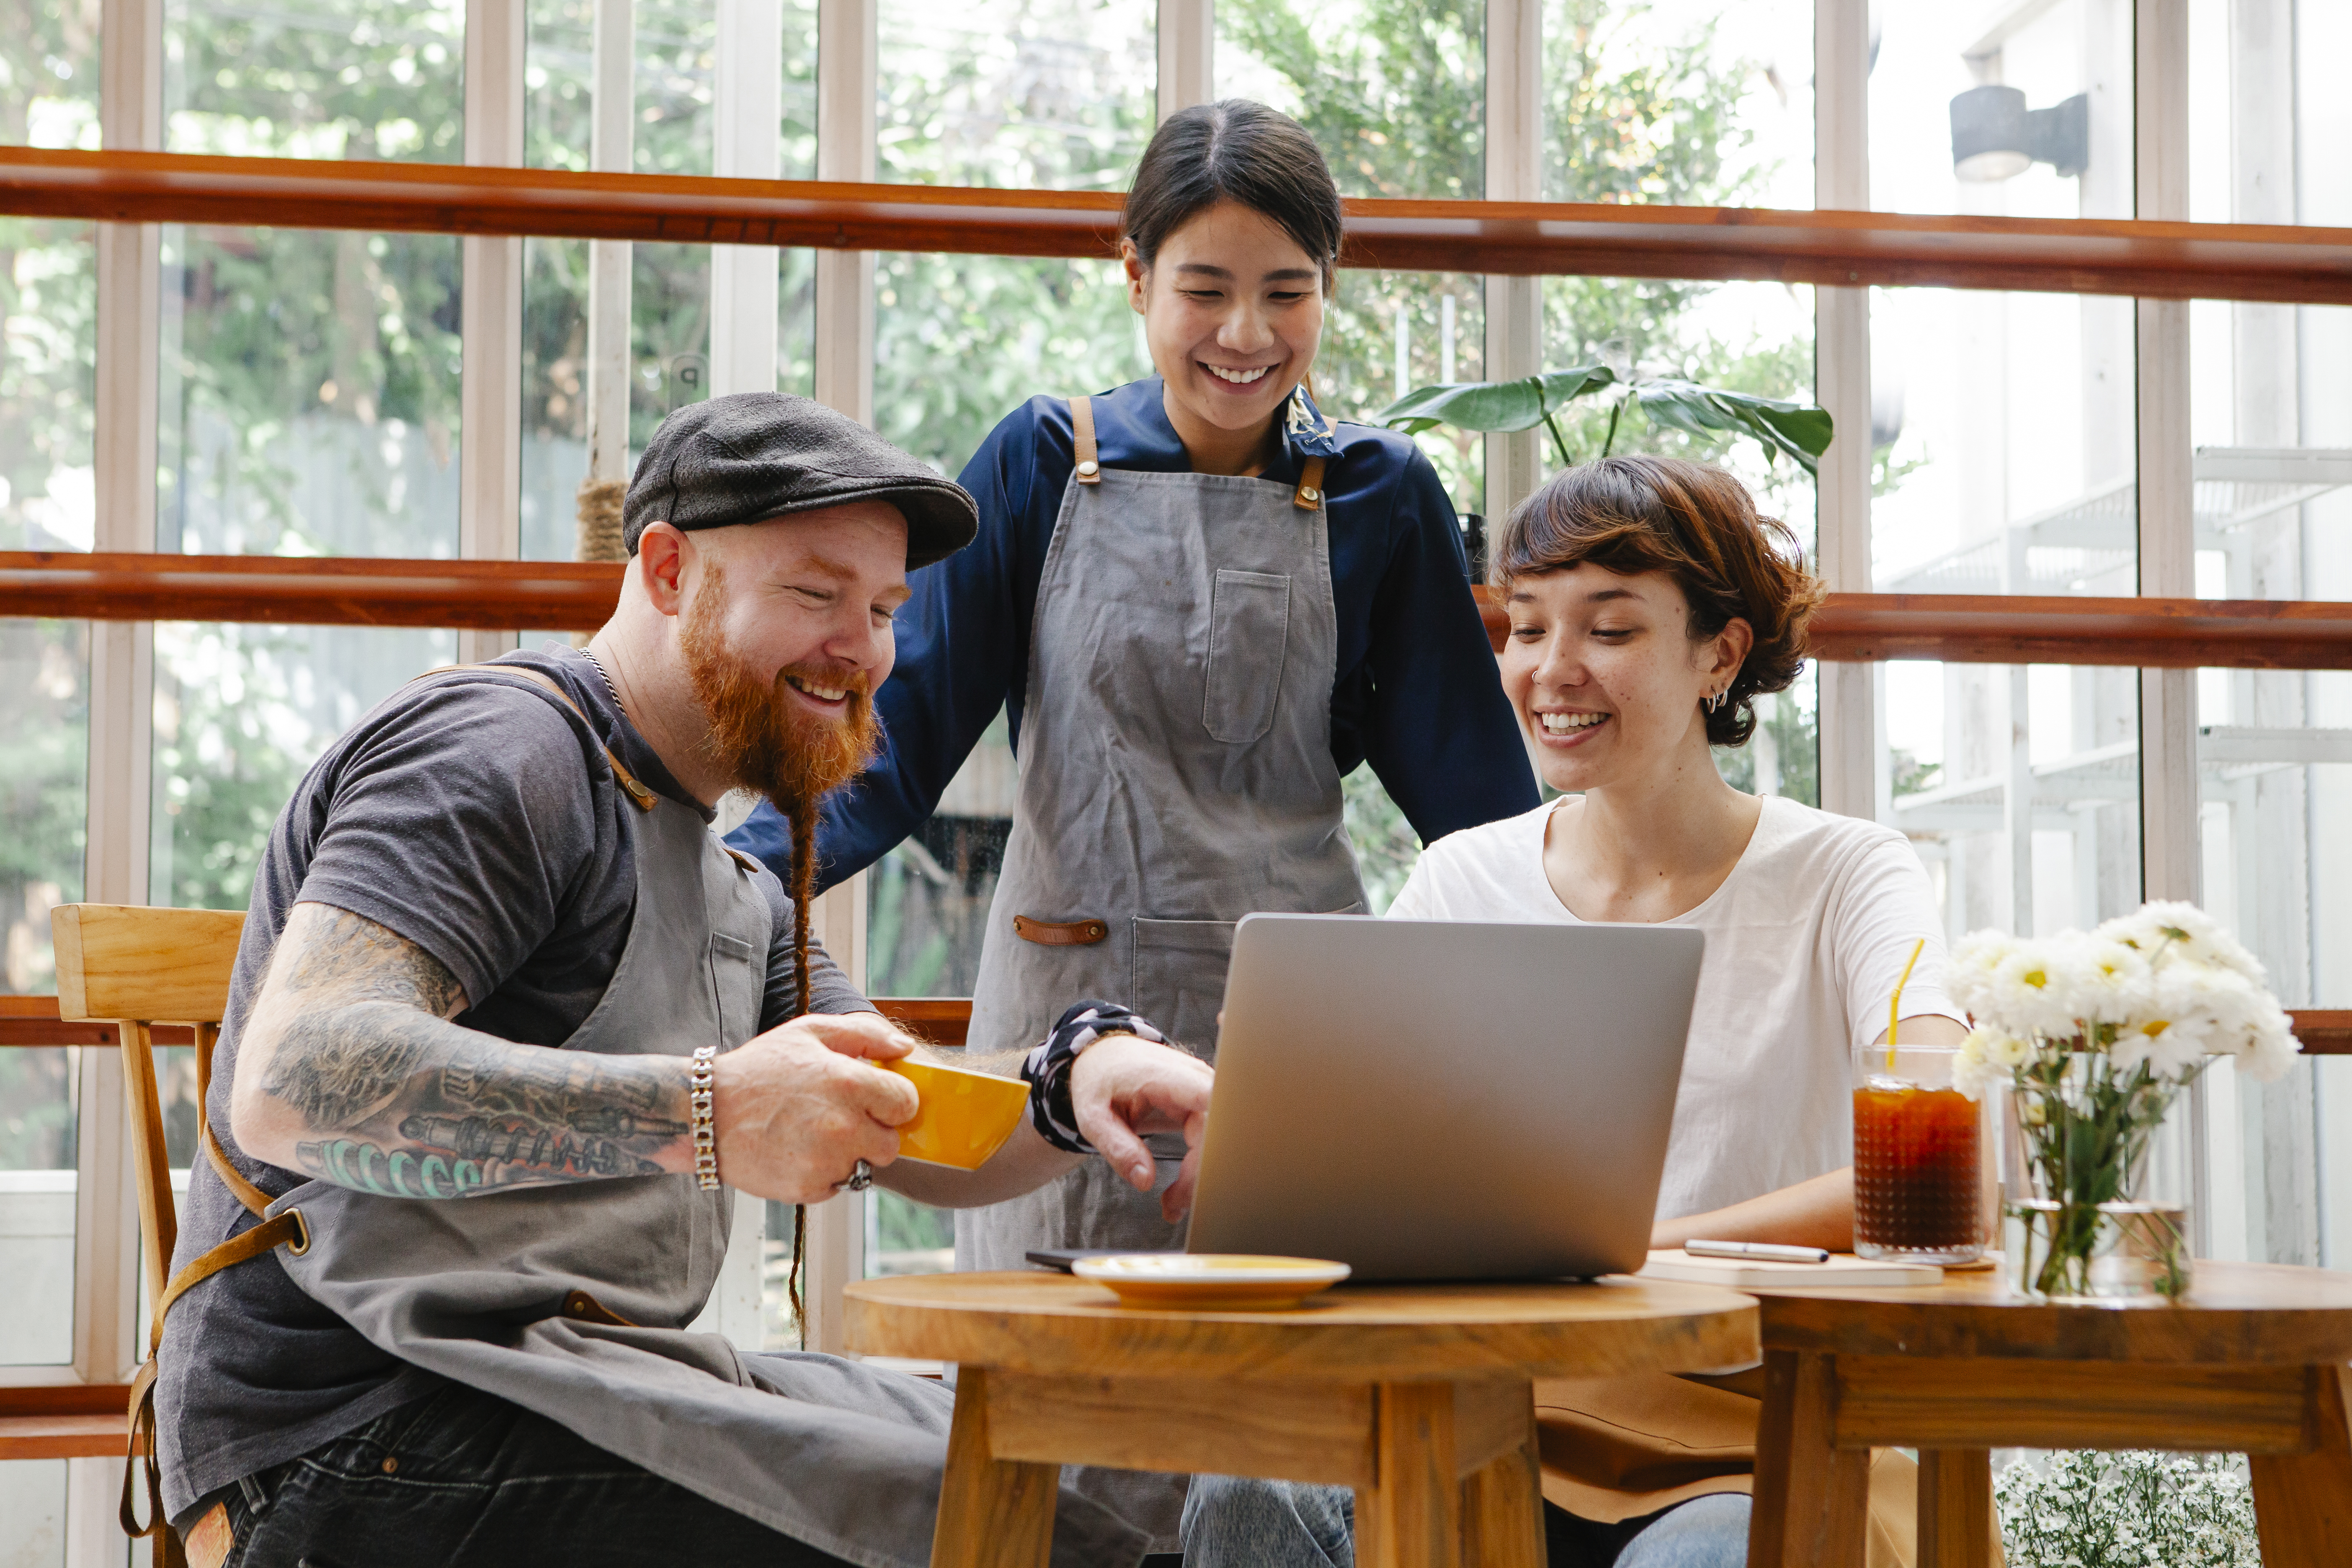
<point x="563" y="595"/>
<point x="319" y="590"/>
<point x="1996" y="628"/>
<point x="2083" y="255"/>
<point x="33" y="1021"/>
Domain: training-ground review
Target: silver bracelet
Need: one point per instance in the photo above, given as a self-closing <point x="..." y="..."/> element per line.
<point x="706" y="1133"/>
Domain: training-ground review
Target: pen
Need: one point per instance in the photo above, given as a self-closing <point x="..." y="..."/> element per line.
<point x="1756" y="1251"/>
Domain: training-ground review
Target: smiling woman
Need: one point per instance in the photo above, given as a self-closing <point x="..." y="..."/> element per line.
<point x="1649" y="607"/>
<point x="1202" y="603"/>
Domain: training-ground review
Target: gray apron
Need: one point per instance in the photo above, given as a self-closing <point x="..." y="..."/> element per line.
<point x="572" y="1301"/>
<point x="1176" y="774"/>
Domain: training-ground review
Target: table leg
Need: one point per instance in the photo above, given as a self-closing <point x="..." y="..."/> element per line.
<point x="2303" y="1502"/>
<point x="1956" y="1518"/>
<point x="1812" y="1499"/>
<point x="1502" y="1509"/>
<point x="1411" y="1515"/>
<point x="993" y="1513"/>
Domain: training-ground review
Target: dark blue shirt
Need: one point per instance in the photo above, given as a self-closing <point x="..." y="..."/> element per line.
<point x="1415" y="694"/>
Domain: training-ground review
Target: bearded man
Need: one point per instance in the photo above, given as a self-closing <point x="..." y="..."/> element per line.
<point x="506" y="1015"/>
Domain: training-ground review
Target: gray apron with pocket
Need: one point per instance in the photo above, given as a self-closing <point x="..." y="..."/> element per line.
<point x="572" y="1300"/>
<point x="1176" y="774"/>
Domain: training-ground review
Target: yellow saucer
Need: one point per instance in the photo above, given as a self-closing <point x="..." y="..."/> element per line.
<point x="1211" y="1281"/>
<point x="965" y="1116"/>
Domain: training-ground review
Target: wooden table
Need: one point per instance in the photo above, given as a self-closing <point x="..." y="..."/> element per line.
<point x="1417" y="1397"/>
<point x="2253" y="1362"/>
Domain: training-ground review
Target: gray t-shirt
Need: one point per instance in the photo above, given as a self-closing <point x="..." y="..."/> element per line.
<point x="481" y="821"/>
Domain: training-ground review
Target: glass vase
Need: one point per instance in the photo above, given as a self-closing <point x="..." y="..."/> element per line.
<point x="2096" y="1164"/>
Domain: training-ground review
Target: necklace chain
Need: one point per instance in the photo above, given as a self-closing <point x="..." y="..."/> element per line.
<point x="608" y="678"/>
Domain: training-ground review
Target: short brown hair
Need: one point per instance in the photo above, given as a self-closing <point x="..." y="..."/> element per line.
<point x="1698" y="525"/>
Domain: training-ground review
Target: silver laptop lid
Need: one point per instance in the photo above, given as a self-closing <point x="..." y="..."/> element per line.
<point x="1436" y="1099"/>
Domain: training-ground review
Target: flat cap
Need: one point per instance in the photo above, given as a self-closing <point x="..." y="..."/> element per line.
<point x="757" y="455"/>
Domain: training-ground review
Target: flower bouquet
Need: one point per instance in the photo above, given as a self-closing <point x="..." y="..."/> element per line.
<point x="2096" y="1033"/>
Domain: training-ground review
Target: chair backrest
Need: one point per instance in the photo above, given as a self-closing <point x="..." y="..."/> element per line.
<point x="135" y="968"/>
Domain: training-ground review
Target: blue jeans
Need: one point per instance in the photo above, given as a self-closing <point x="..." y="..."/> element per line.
<point x="461" y="1477"/>
<point x="1230" y="1522"/>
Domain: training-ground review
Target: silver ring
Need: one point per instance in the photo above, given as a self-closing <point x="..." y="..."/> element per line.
<point x="860" y="1177"/>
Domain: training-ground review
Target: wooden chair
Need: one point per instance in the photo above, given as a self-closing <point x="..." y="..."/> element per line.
<point x="135" y="968"/>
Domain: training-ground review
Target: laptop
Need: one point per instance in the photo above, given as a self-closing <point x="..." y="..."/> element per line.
<point x="1442" y="1101"/>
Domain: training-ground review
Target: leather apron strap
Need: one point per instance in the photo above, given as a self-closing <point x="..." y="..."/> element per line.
<point x="287" y="1230"/>
<point x="639" y="796"/>
<point x="1082" y="441"/>
<point x="1308" y="497"/>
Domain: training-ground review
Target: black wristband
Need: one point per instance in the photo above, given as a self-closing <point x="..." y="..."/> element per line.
<point x="1047" y="1068"/>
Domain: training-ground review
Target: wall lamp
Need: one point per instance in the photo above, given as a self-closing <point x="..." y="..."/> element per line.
<point x="1996" y="137"/>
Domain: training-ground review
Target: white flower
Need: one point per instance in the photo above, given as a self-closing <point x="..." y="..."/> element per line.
<point x="1968" y="979"/>
<point x="2165" y="931"/>
<point x="2137" y="1043"/>
<point x="2009" y="1050"/>
<point x="1977" y="1065"/>
<point x="2197" y="1009"/>
<point x="2273" y="1048"/>
<point x="2034" y="989"/>
<point x="2106" y="981"/>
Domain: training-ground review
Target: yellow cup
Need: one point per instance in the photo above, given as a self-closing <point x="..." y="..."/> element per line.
<point x="965" y="1117"/>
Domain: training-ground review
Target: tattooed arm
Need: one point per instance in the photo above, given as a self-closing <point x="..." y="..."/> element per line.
<point x="349" y="1069"/>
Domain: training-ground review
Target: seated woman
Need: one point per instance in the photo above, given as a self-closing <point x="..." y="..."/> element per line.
<point x="1649" y="606"/>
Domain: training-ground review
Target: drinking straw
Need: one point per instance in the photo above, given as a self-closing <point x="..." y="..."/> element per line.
<point x="1894" y="1004"/>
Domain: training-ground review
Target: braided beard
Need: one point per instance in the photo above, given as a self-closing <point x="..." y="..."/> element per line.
<point x="770" y="744"/>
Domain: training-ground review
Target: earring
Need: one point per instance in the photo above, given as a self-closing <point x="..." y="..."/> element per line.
<point x="1715" y="701"/>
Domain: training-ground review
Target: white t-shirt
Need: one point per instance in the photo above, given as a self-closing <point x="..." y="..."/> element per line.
<point x="1805" y="940"/>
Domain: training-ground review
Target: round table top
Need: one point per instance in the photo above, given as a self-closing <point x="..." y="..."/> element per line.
<point x="2262" y="1314"/>
<point x="1042" y="1323"/>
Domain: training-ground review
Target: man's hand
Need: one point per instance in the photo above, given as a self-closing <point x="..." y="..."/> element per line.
<point x="1122" y="1087"/>
<point x="795" y="1109"/>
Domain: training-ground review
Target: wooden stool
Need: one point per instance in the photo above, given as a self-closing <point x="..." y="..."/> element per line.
<point x="1419" y="1397"/>
<point x="2254" y="1360"/>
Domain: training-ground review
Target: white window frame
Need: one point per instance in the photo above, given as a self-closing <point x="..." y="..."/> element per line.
<point x="121" y="654"/>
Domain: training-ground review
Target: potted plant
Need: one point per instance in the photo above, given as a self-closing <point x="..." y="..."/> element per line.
<point x="2095" y="1034"/>
<point x="1799" y="430"/>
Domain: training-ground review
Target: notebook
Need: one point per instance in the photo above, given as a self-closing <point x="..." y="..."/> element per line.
<point x="1734" y="1273"/>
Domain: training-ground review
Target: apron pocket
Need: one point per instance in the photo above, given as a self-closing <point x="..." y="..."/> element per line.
<point x="739" y="974"/>
<point x="1176" y="978"/>
<point x="1249" y="631"/>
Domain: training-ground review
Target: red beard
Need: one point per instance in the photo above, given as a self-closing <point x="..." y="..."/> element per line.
<point x="768" y="740"/>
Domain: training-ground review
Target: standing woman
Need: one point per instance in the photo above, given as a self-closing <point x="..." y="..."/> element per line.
<point x="1202" y="604"/>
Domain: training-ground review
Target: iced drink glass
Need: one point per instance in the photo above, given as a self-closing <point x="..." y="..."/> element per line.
<point x="1919" y="1164"/>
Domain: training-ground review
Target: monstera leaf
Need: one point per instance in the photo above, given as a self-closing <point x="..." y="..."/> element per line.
<point x="1799" y="430"/>
<point x="1497" y="406"/>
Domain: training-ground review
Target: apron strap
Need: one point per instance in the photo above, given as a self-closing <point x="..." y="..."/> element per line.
<point x="142" y="1429"/>
<point x="254" y="1200"/>
<point x="639" y="796"/>
<point x="1309" y="493"/>
<point x="287" y="1230"/>
<point x="1308" y="497"/>
<point x="1082" y="438"/>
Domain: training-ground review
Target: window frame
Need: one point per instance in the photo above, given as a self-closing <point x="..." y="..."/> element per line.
<point x="1804" y="247"/>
